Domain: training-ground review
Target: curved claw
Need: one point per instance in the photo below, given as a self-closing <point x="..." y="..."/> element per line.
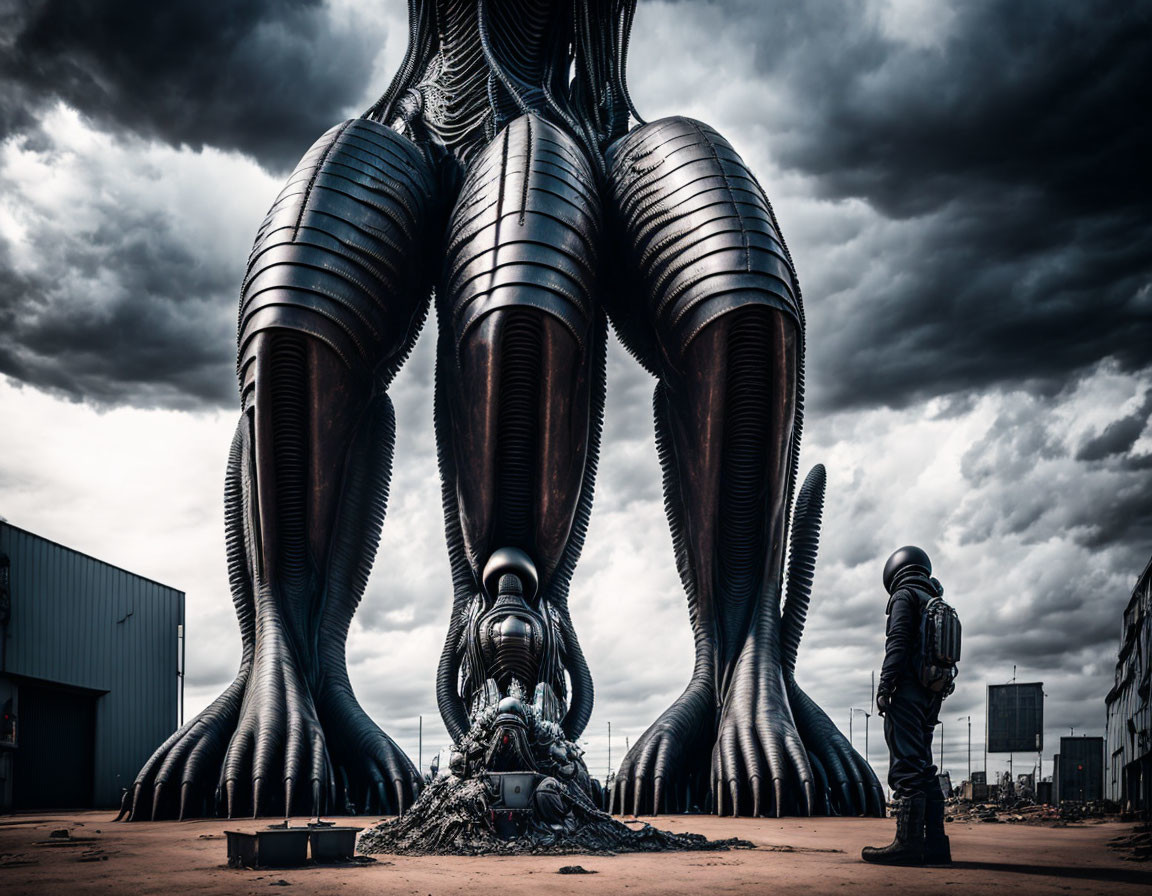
<point x="230" y="796"/>
<point x="362" y="761"/>
<point x="134" y="811"/>
<point x="758" y="743"/>
<point x="185" y="788"/>
<point x="157" y="795"/>
<point x="257" y="793"/>
<point x="289" y="793"/>
<point x="670" y="755"/>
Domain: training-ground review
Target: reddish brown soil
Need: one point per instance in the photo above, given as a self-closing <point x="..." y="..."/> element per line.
<point x="792" y="856"/>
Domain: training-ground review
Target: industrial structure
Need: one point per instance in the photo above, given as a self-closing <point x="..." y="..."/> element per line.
<point x="1129" y="746"/>
<point x="1078" y="770"/>
<point x="91" y="673"/>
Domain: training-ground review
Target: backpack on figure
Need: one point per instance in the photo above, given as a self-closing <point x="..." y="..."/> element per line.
<point x="940" y="645"/>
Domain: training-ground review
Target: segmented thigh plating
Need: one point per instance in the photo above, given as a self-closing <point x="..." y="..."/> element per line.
<point x="342" y="254"/>
<point x="698" y="233"/>
<point x="525" y="231"/>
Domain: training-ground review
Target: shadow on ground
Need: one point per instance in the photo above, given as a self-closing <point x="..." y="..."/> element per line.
<point x="1105" y="875"/>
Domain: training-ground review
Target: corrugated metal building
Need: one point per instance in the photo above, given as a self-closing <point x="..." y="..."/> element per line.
<point x="1128" y="778"/>
<point x="90" y="674"/>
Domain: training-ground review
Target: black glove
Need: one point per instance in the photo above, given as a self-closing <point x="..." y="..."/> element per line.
<point x="883" y="701"/>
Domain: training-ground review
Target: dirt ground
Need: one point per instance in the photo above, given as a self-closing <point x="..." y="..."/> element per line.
<point x="792" y="856"/>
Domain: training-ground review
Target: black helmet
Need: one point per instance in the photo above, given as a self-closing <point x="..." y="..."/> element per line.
<point x="906" y="559"/>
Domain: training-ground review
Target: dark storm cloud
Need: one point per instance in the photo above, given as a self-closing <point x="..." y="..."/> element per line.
<point x="155" y="335"/>
<point x="1006" y="146"/>
<point x="1035" y="487"/>
<point x="1118" y="436"/>
<point x="119" y="267"/>
<point x="120" y="295"/>
<point x="265" y="77"/>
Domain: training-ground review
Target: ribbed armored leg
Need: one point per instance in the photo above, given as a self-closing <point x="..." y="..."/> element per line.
<point x="519" y="396"/>
<point x="709" y="303"/>
<point x="335" y="293"/>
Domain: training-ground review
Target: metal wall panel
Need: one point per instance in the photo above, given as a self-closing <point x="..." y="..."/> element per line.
<point x="81" y="622"/>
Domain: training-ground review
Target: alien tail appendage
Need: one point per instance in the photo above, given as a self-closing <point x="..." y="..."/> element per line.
<point x="845" y="781"/>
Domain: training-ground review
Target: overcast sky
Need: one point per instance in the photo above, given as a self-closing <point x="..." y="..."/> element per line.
<point x="965" y="188"/>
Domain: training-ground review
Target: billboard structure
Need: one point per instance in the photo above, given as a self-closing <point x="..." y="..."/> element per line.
<point x="1016" y="718"/>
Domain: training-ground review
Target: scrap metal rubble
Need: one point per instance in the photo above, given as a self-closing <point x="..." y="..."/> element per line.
<point x="552" y="808"/>
<point x="452" y="817"/>
<point x="1026" y="812"/>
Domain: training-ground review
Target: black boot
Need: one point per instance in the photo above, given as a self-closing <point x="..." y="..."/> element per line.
<point x="937" y="850"/>
<point x="908" y="847"/>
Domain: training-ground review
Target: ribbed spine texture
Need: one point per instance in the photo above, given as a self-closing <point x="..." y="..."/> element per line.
<point x="519" y="425"/>
<point x="743" y="480"/>
<point x="803" y="547"/>
<point x="287" y="365"/>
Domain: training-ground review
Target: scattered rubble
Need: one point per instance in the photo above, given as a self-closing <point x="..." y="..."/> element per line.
<point x="517" y="786"/>
<point x="1023" y="811"/>
<point x="1138" y="844"/>
<point x="453" y="817"/>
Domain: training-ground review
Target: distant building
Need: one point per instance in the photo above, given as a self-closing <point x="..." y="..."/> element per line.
<point x="90" y="674"/>
<point x="1128" y="778"/>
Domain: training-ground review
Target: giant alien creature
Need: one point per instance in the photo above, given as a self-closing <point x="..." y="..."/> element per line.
<point x="506" y="172"/>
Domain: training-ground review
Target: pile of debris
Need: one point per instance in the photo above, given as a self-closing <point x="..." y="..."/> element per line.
<point x="1026" y="812"/>
<point x="517" y="786"/>
<point x="454" y="816"/>
<point x="1137" y="845"/>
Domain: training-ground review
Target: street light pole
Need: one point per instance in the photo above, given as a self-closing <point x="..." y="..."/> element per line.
<point x="867" y="715"/>
<point x="961" y="719"/>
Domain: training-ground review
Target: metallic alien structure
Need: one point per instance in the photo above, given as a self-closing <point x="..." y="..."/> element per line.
<point x="502" y="172"/>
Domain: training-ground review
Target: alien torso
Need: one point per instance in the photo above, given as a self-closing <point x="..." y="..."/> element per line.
<point x="492" y="62"/>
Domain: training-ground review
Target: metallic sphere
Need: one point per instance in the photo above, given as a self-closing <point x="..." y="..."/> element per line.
<point x="516" y="562"/>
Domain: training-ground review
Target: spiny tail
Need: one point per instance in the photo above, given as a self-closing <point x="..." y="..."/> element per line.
<point x="802" y="549"/>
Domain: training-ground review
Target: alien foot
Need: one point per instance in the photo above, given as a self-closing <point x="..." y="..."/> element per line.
<point x="179" y="780"/>
<point x="759" y="764"/>
<point x="846" y="784"/>
<point x="667" y="768"/>
<point x="373" y="775"/>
